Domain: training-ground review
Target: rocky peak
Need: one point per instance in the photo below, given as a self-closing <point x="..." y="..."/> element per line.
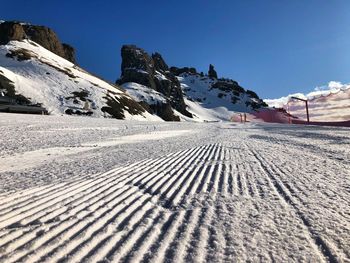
<point x="212" y="73"/>
<point x="11" y="31"/>
<point x="42" y="35"/>
<point x="159" y="62"/>
<point x="178" y="71"/>
<point x="139" y="67"/>
<point x="136" y="58"/>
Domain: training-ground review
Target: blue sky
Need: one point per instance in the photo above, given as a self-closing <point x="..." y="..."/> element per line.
<point x="272" y="47"/>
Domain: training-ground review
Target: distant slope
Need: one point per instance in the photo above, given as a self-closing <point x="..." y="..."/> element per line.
<point x="211" y="99"/>
<point x="28" y="70"/>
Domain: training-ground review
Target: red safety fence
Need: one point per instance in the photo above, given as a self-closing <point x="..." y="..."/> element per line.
<point x="334" y="107"/>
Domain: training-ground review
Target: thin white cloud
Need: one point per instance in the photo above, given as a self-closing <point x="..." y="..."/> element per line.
<point x="332" y="87"/>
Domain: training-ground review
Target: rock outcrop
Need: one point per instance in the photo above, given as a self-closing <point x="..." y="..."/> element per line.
<point x="228" y="86"/>
<point x="69" y="53"/>
<point x="212" y="73"/>
<point x="42" y="35"/>
<point x="11" y="31"/>
<point x="159" y="62"/>
<point x="178" y="71"/>
<point x="153" y="72"/>
<point x="137" y="66"/>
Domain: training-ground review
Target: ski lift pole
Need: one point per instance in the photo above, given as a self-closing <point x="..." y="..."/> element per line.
<point x="307" y="110"/>
<point x="288" y="111"/>
<point x="306" y="105"/>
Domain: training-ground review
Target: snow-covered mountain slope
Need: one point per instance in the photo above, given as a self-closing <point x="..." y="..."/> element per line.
<point x="29" y="70"/>
<point x="204" y="97"/>
<point x="141" y="93"/>
<point x="210" y="99"/>
<point x="204" y="102"/>
<point x="181" y="93"/>
<point x="201" y="100"/>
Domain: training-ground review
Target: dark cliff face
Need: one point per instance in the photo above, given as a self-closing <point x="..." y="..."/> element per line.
<point x="11" y="31"/>
<point x="137" y="66"/>
<point x="159" y="62"/>
<point x="212" y="73"/>
<point x="42" y="35"/>
<point x="153" y="72"/>
<point x="69" y="53"/>
<point x="178" y="71"/>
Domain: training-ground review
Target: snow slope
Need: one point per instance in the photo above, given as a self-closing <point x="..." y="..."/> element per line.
<point x="199" y="89"/>
<point x="51" y="80"/>
<point x="200" y="114"/>
<point x="209" y="104"/>
<point x="205" y="103"/>
<point x="212" y="192"/>
<point x="142" y="93"/>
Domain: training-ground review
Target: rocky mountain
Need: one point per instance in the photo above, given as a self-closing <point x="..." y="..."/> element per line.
<point x="152" y="72"/>
<point x="36" y="69"/>
<point x="182" y="93"/>
<point x="44" y="36"/>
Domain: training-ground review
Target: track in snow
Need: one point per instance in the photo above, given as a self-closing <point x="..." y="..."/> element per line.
<point x="216" y="202"/>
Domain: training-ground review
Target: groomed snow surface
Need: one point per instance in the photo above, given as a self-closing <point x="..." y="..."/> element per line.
<point x="77" y="189"/>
